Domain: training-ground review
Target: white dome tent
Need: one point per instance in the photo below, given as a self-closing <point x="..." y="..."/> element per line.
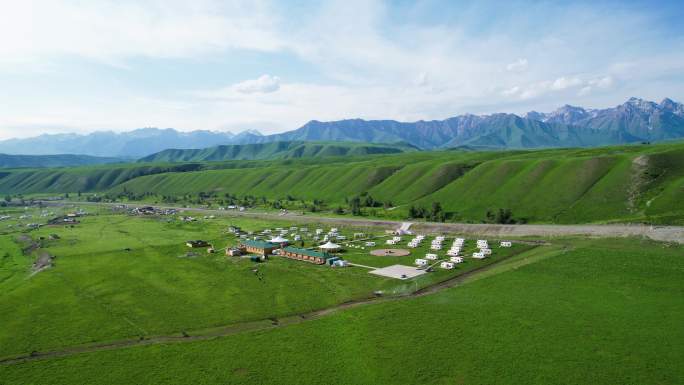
<point x="278" y="239"/>
<point x="329" y="246"/>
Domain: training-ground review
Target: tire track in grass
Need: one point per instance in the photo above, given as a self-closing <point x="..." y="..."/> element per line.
<point x="508" y="263"/>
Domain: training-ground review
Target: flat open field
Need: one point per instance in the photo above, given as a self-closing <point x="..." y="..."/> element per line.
<point x="579" y="311"/>
<point x="121" y="277"/>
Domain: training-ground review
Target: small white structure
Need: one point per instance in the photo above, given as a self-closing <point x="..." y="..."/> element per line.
<point x="482" y="244"/>
<point x="421" y="262"/>
<point x="278" y="239"/>
<point x="329" y="246"/>
<point x="403" y="229"/>
<point x="456" y="259"/>
<point x="297" y="237"/>
<point x="340" y="263"/>
<point x="506" y="244"/>
<point x="391" y="242"/>
<point x="486" y="251"/>
<point x="479" y="255"/>
<point x="341" y="238"/>
<point x="319" y="231"/>
<point x="431" y="257"/>
<point x="370" y="244"/>
<point x="446" y="265"/>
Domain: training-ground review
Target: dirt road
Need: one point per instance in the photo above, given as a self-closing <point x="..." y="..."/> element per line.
<point x="657" y="233"/>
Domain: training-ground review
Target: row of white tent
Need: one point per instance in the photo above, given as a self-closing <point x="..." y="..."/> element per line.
<point x="450" y="264"/>
<point x="395" y="240"/>
<point x="415" y="242"/>
<point x="436" y="243"/>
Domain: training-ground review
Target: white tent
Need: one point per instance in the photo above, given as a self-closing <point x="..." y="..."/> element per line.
<point x="329" y="246"/>
<point x="278" y="239"/>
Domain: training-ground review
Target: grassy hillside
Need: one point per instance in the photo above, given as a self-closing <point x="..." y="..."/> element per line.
<point x="624" y="183"/>
<point x="65" y="160"/>
<point x="602" y="312"/>
<point x="276" y="150"/>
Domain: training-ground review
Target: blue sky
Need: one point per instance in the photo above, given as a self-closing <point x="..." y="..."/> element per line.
<point x="80" y="66"/>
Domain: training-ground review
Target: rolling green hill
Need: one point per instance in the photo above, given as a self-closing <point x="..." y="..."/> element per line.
<point x="64" y="160"/>
<point x="622" y="183"/>
<point x="276" y="150"/>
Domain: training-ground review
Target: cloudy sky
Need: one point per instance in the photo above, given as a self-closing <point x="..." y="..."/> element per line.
<point x="81" y="66"/>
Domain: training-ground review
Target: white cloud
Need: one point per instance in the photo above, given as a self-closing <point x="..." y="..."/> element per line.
<point x="559" y="85"/>
<point x="511" y="91"/>
<point x="601" y="83"/>
<point x="111" y="31"/>
<point x="364" y="64"/>
<point x="517" y="66"/>
<point x="263" y="84"/>
<point x="421" y="79"/>
<point x="563" y="83"/>
<point x="604" y="82"/>
<point x="584" y="91"/>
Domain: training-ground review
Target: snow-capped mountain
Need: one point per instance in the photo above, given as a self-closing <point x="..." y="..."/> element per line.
<point x="636" y="120"/>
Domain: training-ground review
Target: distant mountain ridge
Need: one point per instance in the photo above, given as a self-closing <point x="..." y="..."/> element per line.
<point x="62" y="160"/>
<point x="634" y="121"/>
<point x="131" y="144"/>
<point x="275" y="150"/>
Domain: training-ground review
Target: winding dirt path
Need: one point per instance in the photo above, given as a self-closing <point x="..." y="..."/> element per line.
<point x="272" y="323"/>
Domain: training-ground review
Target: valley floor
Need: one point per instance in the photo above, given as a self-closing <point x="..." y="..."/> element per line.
<point x="567" y="310"/>
<point x="654" y="232"/>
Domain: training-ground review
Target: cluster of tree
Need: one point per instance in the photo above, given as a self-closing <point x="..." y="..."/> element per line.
<point x="364" y="200"/>
<point x="435" y="214"/>
<point x="502" y="216"/>
<point x="125" y="194"/>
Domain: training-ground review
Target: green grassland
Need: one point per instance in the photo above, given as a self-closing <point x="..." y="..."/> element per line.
<point x="277" y="150"/>
<point x="580" y="311"/>
<point x="117" y="276"/>
<point x="611" y="184"/>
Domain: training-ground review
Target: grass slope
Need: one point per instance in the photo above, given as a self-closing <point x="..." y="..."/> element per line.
<point x="624" y="183"/>
<point x="65" y="160"/>
<point x="604" y="312"/>
<point x="276" y="150"/>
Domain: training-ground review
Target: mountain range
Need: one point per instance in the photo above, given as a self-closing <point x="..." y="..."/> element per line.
<point x="132" y="144"/>
<point x="634" y="121"/>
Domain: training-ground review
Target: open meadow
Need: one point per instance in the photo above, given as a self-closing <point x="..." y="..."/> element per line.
<point x="115" y="276"/>
<point x="601" y="311"/>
